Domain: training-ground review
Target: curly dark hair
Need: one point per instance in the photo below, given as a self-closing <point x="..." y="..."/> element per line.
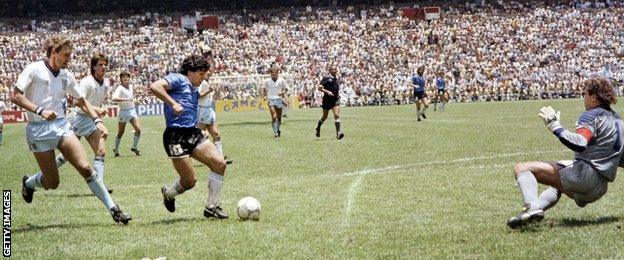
<point x="602" y="89"/>
<point x="97" y="58"/>
<point x="194" y="63"/>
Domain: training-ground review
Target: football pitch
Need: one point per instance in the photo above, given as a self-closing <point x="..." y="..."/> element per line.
<point x="392" y="188"/>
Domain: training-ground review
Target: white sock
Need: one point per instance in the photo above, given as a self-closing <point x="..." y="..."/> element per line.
<point x="528" y="186"/>
<point x="548" y="198"/>
<point x="60" y="160"/>
<point x="34" y="181"/>
<point x="219" y="147"/>
<point x="96" y="185"/>
<point x="98" y="166"/>
<point x="215" y="182"/>
<point x="174" y="190"/>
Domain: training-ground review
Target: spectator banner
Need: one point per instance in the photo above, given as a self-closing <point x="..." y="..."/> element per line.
<point x="14" y="116"/>
<point x="210" y="22"/>
<point x="432" y="13"/>
<point x="414" y="13"/>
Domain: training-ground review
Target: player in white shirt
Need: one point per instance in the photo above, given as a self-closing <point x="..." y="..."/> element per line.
<point x="41" y="89"/>
<point x="2" y="108"/>
<point x="95" y="88"/>
<point x="274" y="91"/>
<point x="207" y="118"/>
<point x="124" y="94"/>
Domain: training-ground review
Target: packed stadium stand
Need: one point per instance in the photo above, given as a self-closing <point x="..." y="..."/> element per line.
<point x="487" y="50"/>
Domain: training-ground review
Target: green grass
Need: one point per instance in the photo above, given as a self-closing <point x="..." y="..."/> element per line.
<point x="393" y="188"/>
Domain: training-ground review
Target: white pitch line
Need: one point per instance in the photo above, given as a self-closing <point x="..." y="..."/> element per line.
<point x="354" y="187"/>
<point x="467" y="159"/>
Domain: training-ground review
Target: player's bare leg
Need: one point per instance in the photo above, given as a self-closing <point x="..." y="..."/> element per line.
<point x="73" y="152"/>
<point x="320" y="122"/>
<point x="184" y="182"/>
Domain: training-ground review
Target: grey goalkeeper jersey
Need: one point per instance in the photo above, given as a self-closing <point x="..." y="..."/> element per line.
<point x="604" y="150"/>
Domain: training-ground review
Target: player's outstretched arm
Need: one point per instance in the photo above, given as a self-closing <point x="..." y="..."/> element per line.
<point x="575" y="141"/>
<point x="159" y="88"/>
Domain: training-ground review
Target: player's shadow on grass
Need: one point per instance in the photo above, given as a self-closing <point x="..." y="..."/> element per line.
<point x="30" y="227"/>
<point x="174" y="221"/>
<point x="267" y="122"/>
<point x="71" y="195"/>
<point x="570" y="222"/>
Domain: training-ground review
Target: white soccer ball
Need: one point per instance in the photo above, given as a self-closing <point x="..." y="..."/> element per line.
<point x="248" y="208"/>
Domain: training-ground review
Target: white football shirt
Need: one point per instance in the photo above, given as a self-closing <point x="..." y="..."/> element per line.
<point x="44" y="89"/>
<point x="207" y="100"/>
<point x="275" y="88"/>
<point x="125" y="93"/>
<point x="94" y="92"/>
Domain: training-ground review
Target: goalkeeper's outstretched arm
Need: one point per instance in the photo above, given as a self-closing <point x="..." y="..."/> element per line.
<point x="576" y="141"/>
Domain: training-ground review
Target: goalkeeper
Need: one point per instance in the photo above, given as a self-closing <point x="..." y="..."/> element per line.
<point x="597" y="143"/>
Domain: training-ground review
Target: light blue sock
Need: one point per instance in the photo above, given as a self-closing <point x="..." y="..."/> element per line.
<point x="98" y="167"/>
<point x="34" y="181"/>
<point x="135" y="142"/>
<point x="97" y="187"/>
<point x="117" y="141"/>
<point x="275" y="127"/>
<point x="0" y="138"/>
<point x="279" y="125"/>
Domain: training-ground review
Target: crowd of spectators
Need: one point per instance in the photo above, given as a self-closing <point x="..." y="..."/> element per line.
<point x="488" y="51"/>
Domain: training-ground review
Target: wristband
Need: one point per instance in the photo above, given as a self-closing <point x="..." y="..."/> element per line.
<point x="97" y="120"/>
<point x="39" y="110"/>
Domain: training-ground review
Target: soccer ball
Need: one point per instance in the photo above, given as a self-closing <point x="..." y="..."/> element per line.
<point x="248" y="208"/>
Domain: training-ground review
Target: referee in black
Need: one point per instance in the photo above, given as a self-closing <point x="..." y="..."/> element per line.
<point x="330" y="86"/>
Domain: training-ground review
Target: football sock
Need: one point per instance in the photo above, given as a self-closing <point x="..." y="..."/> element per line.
<point x="117" y="140"/>
<point x="60" y="160"/>
<point x="318" y="125"/>
<point x="442" y="105"/>
<point x="528" y="186"/>
<point x="34" y="181"/>
<point x="135" y="142"/>
<point x="424" y="109"/>
<point x="279" y="125"/>
<point x="275" y="127"/>
<point x="98" y="166"/>
<point x="96" y="184"/>
<point x="215" y="182"/>
<point x="174" y="190"/>
<point x="0" y="138"/>
<point x="337" y="123"/>
<point x="219" y="147"/>
<point x="548" y="198"/>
